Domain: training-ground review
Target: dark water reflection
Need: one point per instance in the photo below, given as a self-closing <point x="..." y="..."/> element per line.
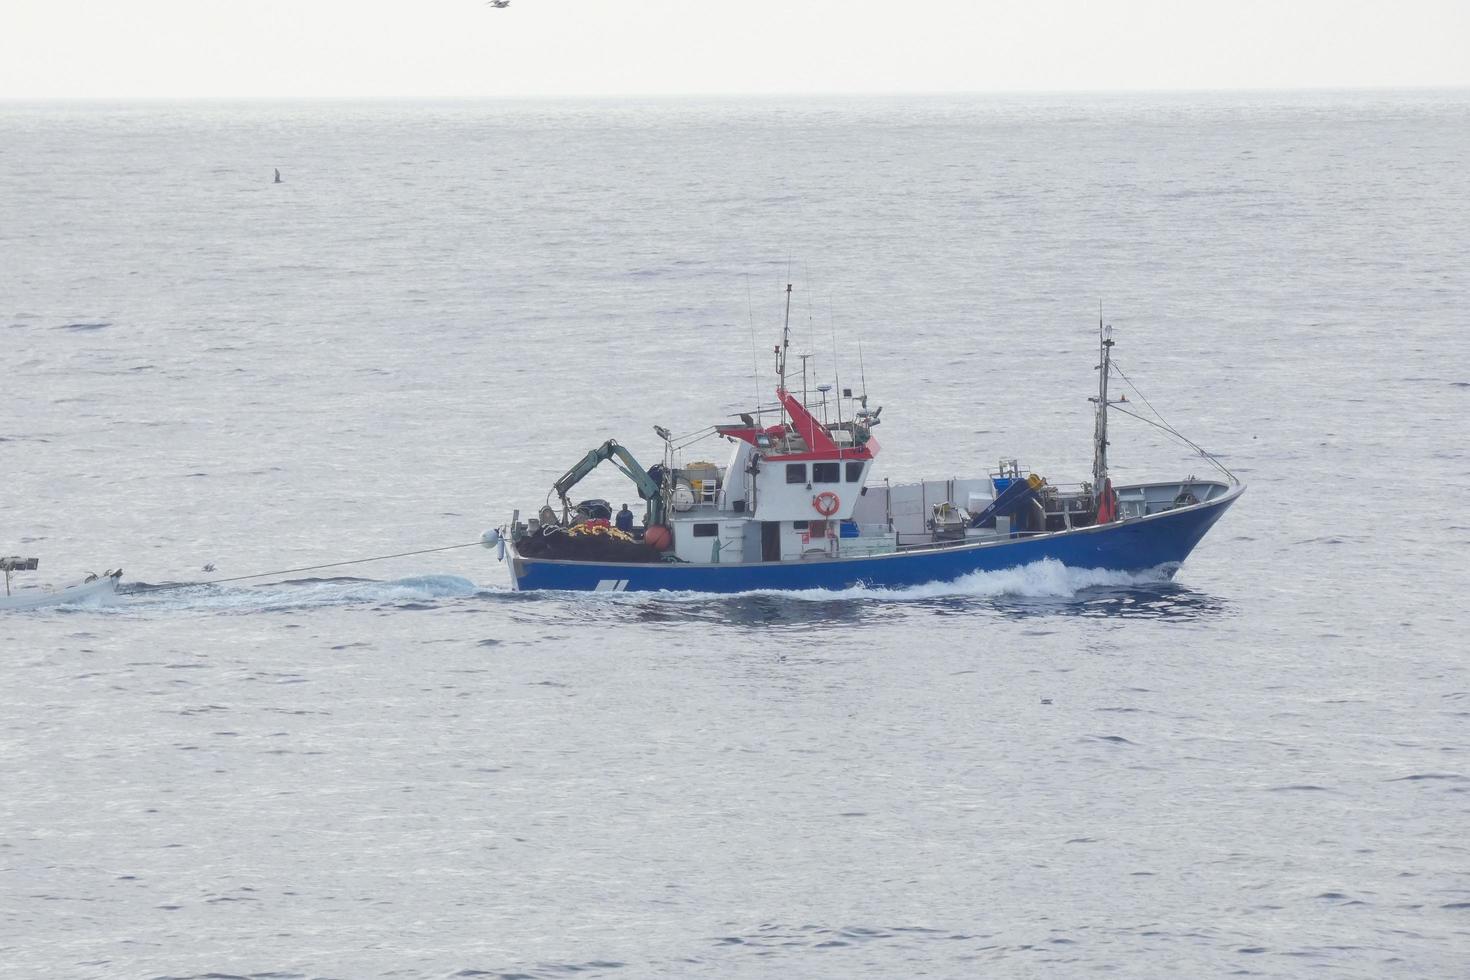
<point x="1163" y="601"/>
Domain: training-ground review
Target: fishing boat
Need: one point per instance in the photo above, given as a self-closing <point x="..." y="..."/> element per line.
<point x="796" y="506"/>
<point x="19" y="597"/>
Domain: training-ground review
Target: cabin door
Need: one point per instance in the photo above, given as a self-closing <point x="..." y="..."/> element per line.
<point x="770" y="541"/>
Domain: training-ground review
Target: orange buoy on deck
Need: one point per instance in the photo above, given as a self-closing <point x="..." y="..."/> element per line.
<point x="658" y="537"/>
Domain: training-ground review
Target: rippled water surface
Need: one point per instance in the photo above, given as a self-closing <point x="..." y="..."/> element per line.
<point x="404" y="769"/>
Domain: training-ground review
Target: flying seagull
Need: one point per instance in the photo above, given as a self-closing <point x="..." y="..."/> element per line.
<point x="499" y="4"/>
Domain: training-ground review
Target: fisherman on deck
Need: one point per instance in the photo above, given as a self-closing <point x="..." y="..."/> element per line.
<point x="625" y="520"/>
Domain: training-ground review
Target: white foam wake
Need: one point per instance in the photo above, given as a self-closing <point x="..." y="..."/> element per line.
<point x="1047" y="578"/>
<point x="1043" y="579"/>
<point x="297" y="595"/>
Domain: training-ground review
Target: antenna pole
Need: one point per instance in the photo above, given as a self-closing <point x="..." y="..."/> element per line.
<point x="785" y="339"/>
<point x="1100" y="435"/>
<point x="781" y="352"/>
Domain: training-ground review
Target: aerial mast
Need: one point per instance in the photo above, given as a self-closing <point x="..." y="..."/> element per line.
<point x="781" y="353"/>
<point x="785" y="340"/>
<point x="1100" y="433"/>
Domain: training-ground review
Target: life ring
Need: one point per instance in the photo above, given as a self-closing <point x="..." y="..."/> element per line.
<point x="826" y="503"/>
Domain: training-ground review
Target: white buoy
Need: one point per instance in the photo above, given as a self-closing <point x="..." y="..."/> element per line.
<point x="492" y="539"/>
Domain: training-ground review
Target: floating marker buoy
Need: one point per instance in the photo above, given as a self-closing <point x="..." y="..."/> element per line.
<point x="658" y="537"/>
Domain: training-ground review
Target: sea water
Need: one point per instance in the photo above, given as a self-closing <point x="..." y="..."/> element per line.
<point x="1260" y="768"/>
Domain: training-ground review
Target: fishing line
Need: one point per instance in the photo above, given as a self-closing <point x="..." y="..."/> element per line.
<point x="313" y="568"/>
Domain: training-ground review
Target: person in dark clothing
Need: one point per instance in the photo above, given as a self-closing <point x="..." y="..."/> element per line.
<point x="625" y="520"/>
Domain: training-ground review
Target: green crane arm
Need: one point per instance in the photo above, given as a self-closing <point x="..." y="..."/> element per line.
<point x="648" y="489"/>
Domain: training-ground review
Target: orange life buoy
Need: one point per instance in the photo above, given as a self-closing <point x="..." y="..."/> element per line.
<point x="826" y="503"/>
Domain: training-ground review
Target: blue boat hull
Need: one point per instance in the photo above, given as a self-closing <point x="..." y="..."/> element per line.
<point x="1159" y="541"/>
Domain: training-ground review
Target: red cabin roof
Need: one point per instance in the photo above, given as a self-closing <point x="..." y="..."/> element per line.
<point x="819" y="441"/>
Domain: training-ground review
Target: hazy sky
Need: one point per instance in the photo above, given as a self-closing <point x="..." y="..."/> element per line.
<point x="269" y="48"/>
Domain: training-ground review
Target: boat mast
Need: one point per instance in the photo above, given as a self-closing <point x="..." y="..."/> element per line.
<point x="781" y="351"/>
<point x="785" y="340"/>
<point x="1100" y="433"/>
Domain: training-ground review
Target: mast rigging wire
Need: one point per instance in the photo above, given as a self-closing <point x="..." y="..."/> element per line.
<point x="1163" y="423"/>
<point x="1181" y="437"/>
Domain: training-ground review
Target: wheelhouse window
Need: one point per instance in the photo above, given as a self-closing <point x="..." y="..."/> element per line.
<point x="826" y="472"/>
<point x="854" y="472"/>
<point x="795" y="472"/>
<point x="706" y="530"/>
<point x="798" y="525"/>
